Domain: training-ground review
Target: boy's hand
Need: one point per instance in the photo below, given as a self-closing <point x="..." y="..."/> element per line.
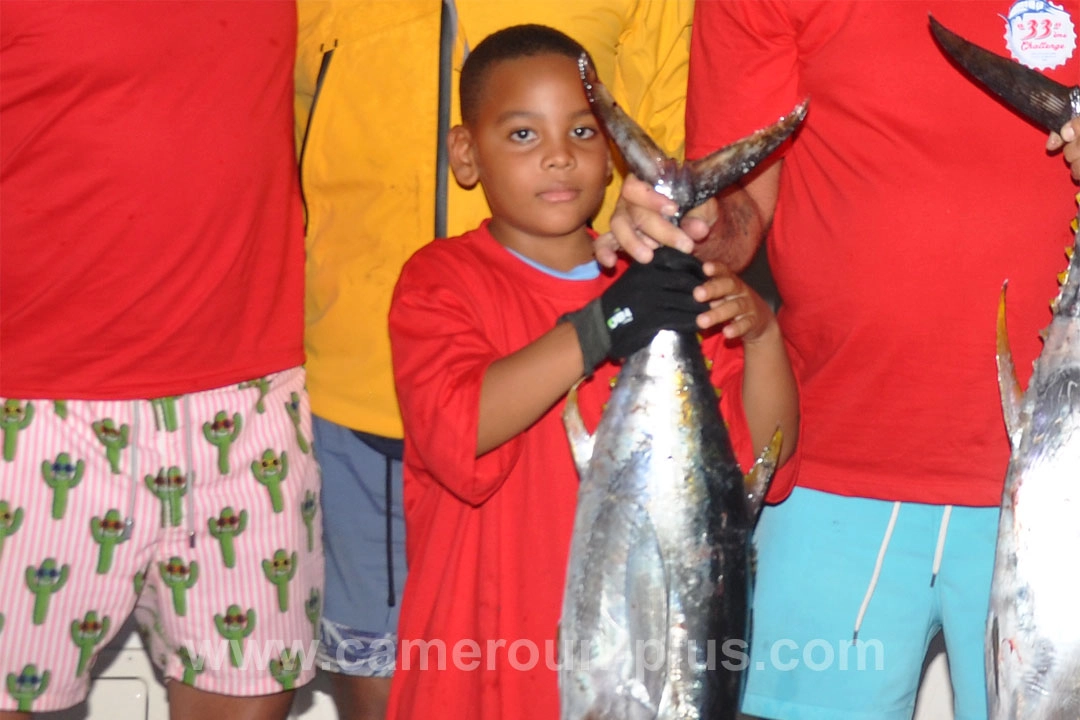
<point x="640" y="224"/>
<point x="1068" y="138"/>
<point x="732" y="304"/>
<point x="647" y="298"/>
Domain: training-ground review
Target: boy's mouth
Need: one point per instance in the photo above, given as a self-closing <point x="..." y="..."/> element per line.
<point x="559" y="194"/>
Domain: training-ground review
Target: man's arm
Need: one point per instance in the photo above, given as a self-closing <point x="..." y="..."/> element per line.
<point x="728" y="228"/>
<point x="744" y="213"/>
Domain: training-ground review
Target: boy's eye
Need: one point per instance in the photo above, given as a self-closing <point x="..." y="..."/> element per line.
<point x="522" y="135"/>
<point x="584" y="133"/>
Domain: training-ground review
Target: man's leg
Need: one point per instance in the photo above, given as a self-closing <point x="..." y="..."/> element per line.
<point x="188" y="703"/>
<point x="230" y="605"/>
<point x="816" y="556"/>
<point x="364" y="537"/>
<point x="74" y="530"/>
<point x="360" y="698"/>
<point x="963" y="587"/>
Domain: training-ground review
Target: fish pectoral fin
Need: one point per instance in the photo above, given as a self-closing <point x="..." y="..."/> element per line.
<point x="581" y="442"/>
<point x="714" y="172"/>
<point x="757" y="480"/>
<point x="647" y="613"/>
<point x="1012" y="395"/>
<point x="643" y="156"/>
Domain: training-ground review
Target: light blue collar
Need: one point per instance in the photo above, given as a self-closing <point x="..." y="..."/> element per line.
<point x="585" y="271"/>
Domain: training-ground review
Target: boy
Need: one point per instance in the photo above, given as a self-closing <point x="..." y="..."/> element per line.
<point x="375" y="192"/>
<point x="482" y="361"/>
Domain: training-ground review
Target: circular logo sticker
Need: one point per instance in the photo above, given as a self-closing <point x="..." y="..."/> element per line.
<point x="1039" y="34"/>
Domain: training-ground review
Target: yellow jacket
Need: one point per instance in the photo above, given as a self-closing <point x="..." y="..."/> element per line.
<point x="367" y="107"/>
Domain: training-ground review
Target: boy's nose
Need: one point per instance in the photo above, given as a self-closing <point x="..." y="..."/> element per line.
<point x="558" y="155"/>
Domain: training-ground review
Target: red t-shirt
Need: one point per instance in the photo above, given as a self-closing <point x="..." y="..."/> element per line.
<point x="906" y="199"/>
<point x="151" y="238"/>
<point x="488" y="538"/>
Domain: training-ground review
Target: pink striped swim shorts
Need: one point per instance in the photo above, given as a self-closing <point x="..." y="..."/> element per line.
<point x="198" y="513"/>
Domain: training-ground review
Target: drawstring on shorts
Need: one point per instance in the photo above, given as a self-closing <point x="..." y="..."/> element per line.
<point x="877" y="570"/>
<point x="939" y="551"/>
<point x="190" y="473"/>
<point x="129" y="519"/>
<point x="391" y="598"/>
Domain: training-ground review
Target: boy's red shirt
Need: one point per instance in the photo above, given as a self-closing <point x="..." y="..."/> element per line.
<point x="488" y="538"/>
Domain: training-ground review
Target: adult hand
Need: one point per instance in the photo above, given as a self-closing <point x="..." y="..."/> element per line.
<point x="1069" y="139"/>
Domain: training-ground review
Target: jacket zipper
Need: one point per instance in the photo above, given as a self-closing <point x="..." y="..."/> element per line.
<point x="324" y="66"/>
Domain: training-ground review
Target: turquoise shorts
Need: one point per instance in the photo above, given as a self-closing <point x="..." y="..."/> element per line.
<point x="816" y="559"/>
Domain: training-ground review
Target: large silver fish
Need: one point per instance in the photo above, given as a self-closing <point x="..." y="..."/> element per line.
<point x="1033" y="627"/>
<point x="654" y="616"/>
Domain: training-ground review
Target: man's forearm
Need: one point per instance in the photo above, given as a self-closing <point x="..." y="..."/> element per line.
<point x="744" y="214"/>
<point x="734" y="237"/>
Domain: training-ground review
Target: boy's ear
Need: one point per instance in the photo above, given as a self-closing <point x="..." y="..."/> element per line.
<point x="462" y="160"/>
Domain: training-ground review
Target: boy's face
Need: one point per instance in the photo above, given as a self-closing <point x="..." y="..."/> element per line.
<point x="537" y="149"/>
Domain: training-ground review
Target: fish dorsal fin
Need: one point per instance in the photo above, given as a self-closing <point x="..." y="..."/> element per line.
<point x="1012" y="395"/>
<point x="760" y="475"/>
<point x="581" y="442"/>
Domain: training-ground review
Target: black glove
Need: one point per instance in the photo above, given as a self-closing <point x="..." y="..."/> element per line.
<point x="646" y="299"/>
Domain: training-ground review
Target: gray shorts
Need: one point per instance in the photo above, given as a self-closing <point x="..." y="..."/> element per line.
<point x="364" y="542"/>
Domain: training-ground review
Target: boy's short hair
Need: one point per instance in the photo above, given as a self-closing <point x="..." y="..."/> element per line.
<point x="510" y="43"/>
